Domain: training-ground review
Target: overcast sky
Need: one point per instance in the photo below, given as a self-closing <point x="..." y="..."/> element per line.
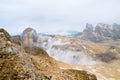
<point x="56" y="15"/>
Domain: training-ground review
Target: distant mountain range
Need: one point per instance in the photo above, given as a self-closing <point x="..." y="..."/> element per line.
<point x="101" y="32"/>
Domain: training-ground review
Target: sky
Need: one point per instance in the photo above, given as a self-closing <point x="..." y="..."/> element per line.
<point x="56" y="15"/>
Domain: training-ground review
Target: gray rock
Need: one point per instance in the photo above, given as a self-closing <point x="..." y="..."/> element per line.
<point x="102" y="32"/>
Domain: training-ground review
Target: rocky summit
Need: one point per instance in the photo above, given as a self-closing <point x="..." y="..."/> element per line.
<point x="100" y="33"/>
<point x="19" y="62"/>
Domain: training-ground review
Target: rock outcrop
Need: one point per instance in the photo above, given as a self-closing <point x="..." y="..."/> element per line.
<point x="88" y="33"/>
<point x="102" y="32"/>
<point x="32" y="63"/>
<point x="29" y="37"/>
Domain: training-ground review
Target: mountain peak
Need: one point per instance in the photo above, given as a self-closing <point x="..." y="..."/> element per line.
<point x="102" y="32"/>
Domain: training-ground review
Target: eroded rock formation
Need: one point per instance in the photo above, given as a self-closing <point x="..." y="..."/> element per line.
<point x="102" y="32"/>
<point x="29" y="37"/>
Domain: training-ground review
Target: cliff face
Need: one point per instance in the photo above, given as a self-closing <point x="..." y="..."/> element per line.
<point x="32" y="63"/>
<point x="102" y="32"/>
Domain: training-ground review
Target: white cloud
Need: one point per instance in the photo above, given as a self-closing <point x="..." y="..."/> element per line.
<point x="51" y="15"/>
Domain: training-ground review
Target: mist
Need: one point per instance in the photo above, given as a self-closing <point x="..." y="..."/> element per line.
<point x="55" y="49"/>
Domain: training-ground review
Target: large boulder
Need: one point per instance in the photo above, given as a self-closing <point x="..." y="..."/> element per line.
<point x="29" y="37"/>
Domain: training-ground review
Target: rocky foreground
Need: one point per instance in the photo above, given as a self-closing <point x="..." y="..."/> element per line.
<point x="18" y="62"/>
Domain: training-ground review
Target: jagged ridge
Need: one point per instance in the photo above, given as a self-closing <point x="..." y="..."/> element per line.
<point x="101" y="32"/>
